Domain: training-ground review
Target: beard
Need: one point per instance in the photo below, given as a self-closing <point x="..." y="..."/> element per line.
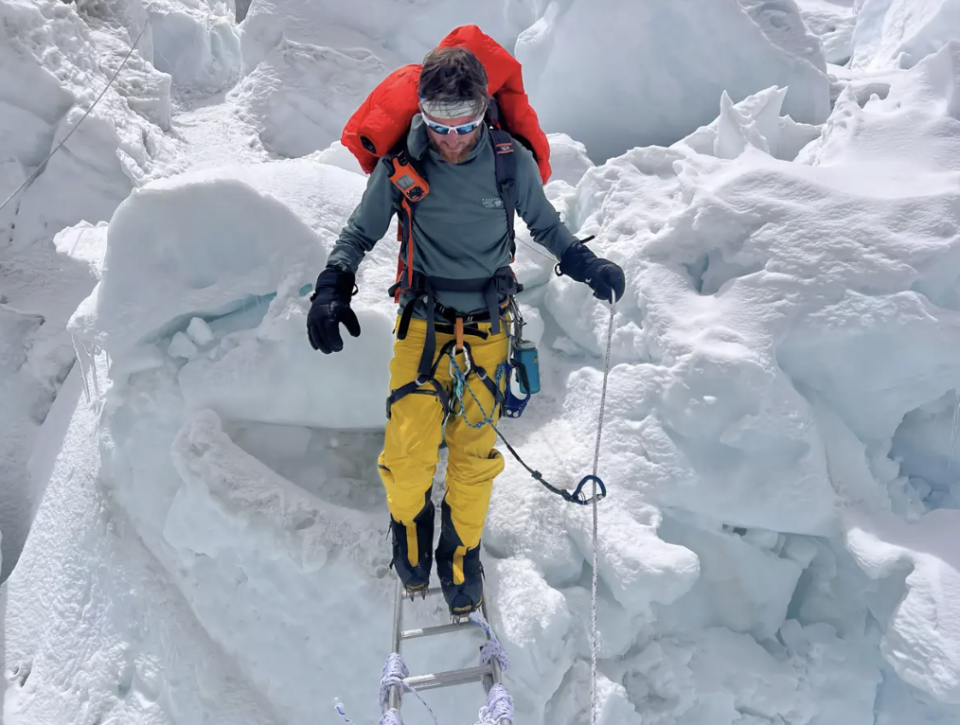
<point x="455" y="157"/>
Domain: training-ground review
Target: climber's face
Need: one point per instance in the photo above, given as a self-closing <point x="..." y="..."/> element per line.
<point x="453" y="138"/>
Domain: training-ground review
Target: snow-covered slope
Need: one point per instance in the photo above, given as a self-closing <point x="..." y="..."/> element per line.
<point x="300" y="95"/>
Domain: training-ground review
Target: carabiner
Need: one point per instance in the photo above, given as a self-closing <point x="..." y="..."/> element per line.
<point x="579" y="497"/>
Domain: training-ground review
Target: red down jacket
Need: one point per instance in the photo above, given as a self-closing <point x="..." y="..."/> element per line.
<point x="385" y="115"/>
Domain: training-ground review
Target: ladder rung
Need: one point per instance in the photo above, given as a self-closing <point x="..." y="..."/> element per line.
<point x="448" y="679"/>
<point x="429" y="631"/>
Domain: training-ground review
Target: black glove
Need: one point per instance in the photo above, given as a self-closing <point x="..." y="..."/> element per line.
<point x="331" y="306"/>
<point x="604" y="277"/>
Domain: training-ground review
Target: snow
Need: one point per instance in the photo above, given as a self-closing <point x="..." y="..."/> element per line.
<point x="687" y="54"/>
<point x="900" y="33"/>
<point x="85" y="580"/>
<point x="196" y="47"/>
<point x="396" y="32"/>
<point x="288" y="96"/>
<point x="157" y="267"/>
<point x="195" y="491"/>
<point x="833" y="21"/>
<point x="755" y="121"/>
<point x="55" y="60"/>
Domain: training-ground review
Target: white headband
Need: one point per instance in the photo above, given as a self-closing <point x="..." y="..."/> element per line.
<point x="447" y="108"/>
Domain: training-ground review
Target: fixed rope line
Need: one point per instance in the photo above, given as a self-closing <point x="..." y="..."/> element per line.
<point x="36" y="172"/>
<point x="596" y="464"/>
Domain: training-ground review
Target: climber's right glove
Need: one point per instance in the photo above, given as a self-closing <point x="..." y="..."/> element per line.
<point x="604" y="277"/>
<point x="331" y="306"/>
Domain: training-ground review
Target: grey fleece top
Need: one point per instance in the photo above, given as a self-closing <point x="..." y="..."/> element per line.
<point x="460" y="227"/>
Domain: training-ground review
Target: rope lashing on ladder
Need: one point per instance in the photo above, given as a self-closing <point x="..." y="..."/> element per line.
<point x="394" y="672"/>
<point x="492" y="649"/>
<point x="391" y="717"/>
<point x="499" y="707"/>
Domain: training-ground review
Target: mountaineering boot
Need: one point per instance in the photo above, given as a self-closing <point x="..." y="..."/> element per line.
<point x="458" y="568"/>
<point x="413" y="549"/>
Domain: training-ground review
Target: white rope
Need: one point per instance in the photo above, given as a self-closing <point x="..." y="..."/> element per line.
<point x="36" y="172"/>
<point x="596" y="464"/>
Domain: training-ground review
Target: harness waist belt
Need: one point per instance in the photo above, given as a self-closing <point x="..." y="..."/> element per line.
<point x="502" y="283"/>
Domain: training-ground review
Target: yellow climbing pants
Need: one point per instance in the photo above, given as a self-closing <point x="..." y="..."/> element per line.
<point x="414" y="433"/>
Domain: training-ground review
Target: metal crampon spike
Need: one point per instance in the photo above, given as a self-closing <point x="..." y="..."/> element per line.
<point x="411" y="594"/>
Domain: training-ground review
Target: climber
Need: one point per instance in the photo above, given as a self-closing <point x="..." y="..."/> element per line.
<point x="453" y="283"/>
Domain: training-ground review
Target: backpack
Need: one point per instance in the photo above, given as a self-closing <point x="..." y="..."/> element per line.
<point x="382" y="120"/>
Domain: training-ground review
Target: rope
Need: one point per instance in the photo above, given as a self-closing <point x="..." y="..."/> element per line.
<point x="596" y="464"/>
<point x="390" y="717"/>
<point x="499" y="707"/>
<point x="492" y="649"/>
<point x="394" y="672"/>
<point x="460" y="383"/>
<point x="36" y="172"/>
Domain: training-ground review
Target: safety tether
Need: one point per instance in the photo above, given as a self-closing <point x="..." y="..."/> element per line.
<point x="459" y="376"/>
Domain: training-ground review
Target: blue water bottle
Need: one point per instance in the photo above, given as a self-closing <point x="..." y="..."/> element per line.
<point x="527" y="362"/>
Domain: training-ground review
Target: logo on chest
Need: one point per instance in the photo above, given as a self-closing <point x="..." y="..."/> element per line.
<point x="493" y="203"/>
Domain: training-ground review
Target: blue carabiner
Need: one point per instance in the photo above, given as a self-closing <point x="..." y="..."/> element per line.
<point x="579" y="497"/>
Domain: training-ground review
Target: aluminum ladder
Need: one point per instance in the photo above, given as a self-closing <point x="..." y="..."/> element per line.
<point x="488" y="675"/>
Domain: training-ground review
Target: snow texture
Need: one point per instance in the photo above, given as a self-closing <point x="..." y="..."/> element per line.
<point x="199" y="46"/>
<point x="833" y="22"/>
<point x="197" y="243"/>
<point x="300" y="95"/>
<point x="663" y="66"/>
<point x="900" y="33"/>
<point x="209" y="538"/>
<point x="55" y="60"/>
<point x="398" y="33"/>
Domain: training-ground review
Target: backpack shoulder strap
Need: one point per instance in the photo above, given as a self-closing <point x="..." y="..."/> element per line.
<point x="406" y="176"/>
<point x="505" y="160"/>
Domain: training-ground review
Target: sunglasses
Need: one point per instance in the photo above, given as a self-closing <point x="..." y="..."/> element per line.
<point x="461" y="130"/>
